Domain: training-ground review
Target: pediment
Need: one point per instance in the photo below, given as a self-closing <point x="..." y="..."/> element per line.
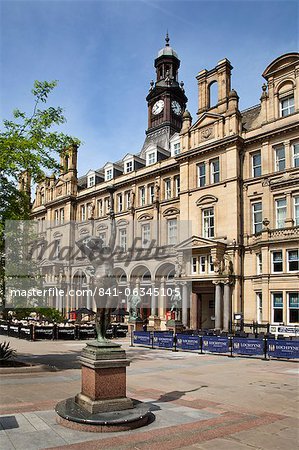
<point x="206" y="199"/>
<point x="280" y="63"/>
<point x="145" y="217"/>
<point x="122" y="222"/>
<point x="102" y="227"/>
<point x="171" y="212"/>
<point x="84" y="231"/>
<point x="199" y="242"/>
<point x="207" y="118"/>
<point x="59" y="183"/>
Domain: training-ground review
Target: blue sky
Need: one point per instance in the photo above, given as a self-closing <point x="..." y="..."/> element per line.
<point x="102" y="53"/>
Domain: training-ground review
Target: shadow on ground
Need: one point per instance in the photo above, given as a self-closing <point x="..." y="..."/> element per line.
<point x="60" y="361"/>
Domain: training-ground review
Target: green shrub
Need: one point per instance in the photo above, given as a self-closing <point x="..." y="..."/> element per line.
<point x="6" y="352"/>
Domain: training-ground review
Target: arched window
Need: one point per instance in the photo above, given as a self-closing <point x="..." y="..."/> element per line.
<point x="286" y="98"/>
<point x="213" y="94"/>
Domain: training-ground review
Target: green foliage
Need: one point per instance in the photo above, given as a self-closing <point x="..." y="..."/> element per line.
<point x="6" y="352"/>
<point x="50" y="314"/>
<point x="28" y="143"/>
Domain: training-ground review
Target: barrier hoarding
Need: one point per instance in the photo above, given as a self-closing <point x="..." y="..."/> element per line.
<point x="43" y="332"/>
<point x="86" y="332"/>
<point x="245" y="346"/>
<point x="188" y="342"/>
<point x="163" y="340"/>
<point x="283" y="348"/>
<point x="215" y="344"/>
<point x="285" y="330"/>
<point x="142" y="338"/>
<point x="65" y="332"/>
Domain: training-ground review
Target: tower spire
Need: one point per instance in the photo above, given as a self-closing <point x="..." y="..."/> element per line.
<point x="167" y="39"/>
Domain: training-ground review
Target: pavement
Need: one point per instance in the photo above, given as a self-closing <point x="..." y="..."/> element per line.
<point x="199" y="401"/>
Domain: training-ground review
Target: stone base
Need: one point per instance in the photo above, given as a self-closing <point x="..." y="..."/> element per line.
<point x="154" y="323"/>
<point x="175" y="325"/>
<point x="136" y="324"/>
<point x="97" y="406"/>
<point x="71" y="415"/>
<point x="103" y="378"/>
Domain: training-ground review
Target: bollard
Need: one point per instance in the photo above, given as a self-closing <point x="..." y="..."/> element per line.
<point x="132" y="337"/>
<point x="174" y="349"/>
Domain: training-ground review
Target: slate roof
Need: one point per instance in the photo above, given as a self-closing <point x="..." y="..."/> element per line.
<point x="249" y="115"/>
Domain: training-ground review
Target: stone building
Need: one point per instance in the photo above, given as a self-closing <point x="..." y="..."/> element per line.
<point x="222" y="189"/>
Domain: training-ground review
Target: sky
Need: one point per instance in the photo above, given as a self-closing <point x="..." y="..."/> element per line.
<point x="102" y="53"/>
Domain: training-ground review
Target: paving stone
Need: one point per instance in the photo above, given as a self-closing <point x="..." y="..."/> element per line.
<point x="16" y="424"/>
<point x="36" y="421"/>
<point x="36" y="440"/>
<point x="211" y="402"/>
<point x="5" y="443"/>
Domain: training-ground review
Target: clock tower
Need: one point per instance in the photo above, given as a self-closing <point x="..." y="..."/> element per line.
<point x="166" y="99"/>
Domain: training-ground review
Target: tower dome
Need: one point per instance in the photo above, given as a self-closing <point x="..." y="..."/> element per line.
<point x="167" y="50"/>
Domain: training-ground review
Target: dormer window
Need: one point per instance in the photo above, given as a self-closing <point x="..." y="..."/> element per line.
<point x="108" y="174"/>
<point x="91" y="181"/>
<point x="129" y="167"/>
<point x="287" y="106"/>
<point x="175" y="149"/>
<point x="151" y="158"/>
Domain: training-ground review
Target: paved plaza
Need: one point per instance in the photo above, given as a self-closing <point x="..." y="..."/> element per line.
<point x="199" y="401"/>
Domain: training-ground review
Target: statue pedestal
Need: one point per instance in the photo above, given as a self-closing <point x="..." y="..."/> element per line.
<point x="102" y="404"/>
<point x="154" y="323"/>
<point x="103" y="378"/>
<point x="136" y="324"/>
<point x="175" y="326"/>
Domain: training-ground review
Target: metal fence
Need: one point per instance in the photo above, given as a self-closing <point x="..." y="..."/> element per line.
<point x="265" y="347"/>
<point x="35" y="332"/>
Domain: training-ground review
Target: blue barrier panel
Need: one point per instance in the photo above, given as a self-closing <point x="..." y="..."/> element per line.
<point x="163" y="340"/>
<point x="283" y="349"/>
<point x="142" y="337"/>
<point x="215" y="344"/>
<point x="244" y="346"/>
<point x="188" y="342"/>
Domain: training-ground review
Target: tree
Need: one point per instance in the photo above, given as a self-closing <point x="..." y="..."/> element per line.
<point x="30" y="143"/>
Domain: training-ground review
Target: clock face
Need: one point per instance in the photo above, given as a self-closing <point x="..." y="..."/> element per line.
<point x="176" y="107"/>
<point x="158" y="107"/>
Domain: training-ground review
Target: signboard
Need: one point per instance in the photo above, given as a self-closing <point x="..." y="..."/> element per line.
<point x="13" y="331"/>
<point x="86" y="332"/>
<point x="215" y="344"/>
<point x="25" y="332"/>
<point x="188" y="342"/>
<point x="285" y="330"/>
<point x="283" y="349"/>
<point x="163" y="340"/>
<point x="142" y="337"/>
<point x="244" y="346"/>
<point x="43" y="332"/>
<point x="66" y="333"/>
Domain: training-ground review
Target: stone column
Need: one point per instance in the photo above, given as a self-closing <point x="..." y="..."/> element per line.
<point x="218" y="306"/>
<point x="154" y="301"/>
<point x="194" y="311"/>
<point x="162" y="299"/>
<point x="226" y="306"/>
<point x="185" y="305"/>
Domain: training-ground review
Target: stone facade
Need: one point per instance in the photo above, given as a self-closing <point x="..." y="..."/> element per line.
<point x="224" y="188"/>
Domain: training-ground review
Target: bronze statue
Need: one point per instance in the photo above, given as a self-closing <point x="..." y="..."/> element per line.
<point x="101" y="273"/>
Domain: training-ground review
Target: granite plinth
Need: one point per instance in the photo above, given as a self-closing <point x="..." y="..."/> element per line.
<point x="71" y="415"/>
<point x="103" y="378"/>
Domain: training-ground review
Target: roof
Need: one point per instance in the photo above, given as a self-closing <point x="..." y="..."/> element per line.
<point x="167" y="51"/>
<point x="249" y="116"/>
